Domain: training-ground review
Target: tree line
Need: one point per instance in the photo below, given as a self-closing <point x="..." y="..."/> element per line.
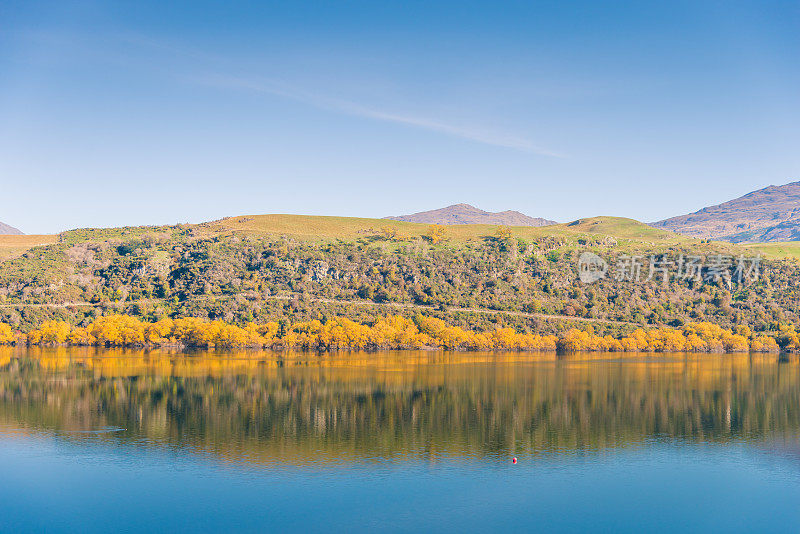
<point x="391" y="332"/>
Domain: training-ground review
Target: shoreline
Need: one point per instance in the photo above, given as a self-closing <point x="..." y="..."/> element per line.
<point x="390" y="333"/>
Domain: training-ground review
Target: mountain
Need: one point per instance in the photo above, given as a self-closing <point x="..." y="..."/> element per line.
<point x="466" y="214"/>
<point x="8" y="230"/>
<point x="769" y="214"/>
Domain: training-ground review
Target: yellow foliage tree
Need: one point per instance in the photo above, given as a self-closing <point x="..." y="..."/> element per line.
<point x="436" y="233"/>
<point x="6" y="334"/>
<point x="394" y="332"/>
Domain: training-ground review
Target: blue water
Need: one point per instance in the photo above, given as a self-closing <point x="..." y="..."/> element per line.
<point x="49" y="485"/>
<point x="112" y="478"/>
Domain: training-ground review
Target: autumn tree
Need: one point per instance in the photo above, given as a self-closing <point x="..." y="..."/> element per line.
<point x="504" y="233"/>
<point x="436" y="233"/>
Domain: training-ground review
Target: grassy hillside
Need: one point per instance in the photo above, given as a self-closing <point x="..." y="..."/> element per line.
<point x="12" y="246"/>
<point x="320" y="228"/>
<point x="623" y="228"/>
<point x="774" y="251"/>
<point x="294" y="267"/>
<point x="622" y="235"/>
<point x="311" y="228"/>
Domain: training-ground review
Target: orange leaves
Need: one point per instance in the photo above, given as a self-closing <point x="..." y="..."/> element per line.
<point x="158" y="332"/>
<point x="50" y="333"/>
<point x="694" y="337"/>
<point x="575" y="340"/>
<point x="436" y="233"/>
<point x="6" y="334"/>
<point x="764" y="344"/>
<point x="80" y="336"/>
<point x="503" y="233"/>
<point x="393" y="332"/>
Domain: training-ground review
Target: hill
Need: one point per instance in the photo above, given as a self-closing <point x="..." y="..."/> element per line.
<point x="15" y="245"/>
<point x="466" y="214"/>
<point x="296" y="268"/>
<point x="313" y="228"/>
<point x="766" y="215"/>
<point x="621" y="233"/>
<point x="8" y="230"/>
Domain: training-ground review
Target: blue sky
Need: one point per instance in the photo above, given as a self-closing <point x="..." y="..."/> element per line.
<point x="163" y="112"/>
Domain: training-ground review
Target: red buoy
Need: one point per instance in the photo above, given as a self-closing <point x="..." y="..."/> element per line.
<point x="514" y="460"/>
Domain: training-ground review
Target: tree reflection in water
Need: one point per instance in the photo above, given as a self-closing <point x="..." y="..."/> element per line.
<point x="296" y="408"/>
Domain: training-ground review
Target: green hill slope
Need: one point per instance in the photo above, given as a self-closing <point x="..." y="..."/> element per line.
<point x="322" y="228"/>
<point x="268" y="267"/>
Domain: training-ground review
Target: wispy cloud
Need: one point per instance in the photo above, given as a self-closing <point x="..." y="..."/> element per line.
<point x="486" y="137"/>
<point x="205" y="62"/>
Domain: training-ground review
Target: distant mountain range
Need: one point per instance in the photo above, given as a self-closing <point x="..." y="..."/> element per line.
<point x="6" y="230"/>
<point x="466" y="214"/>
<point x="771" y="214"/>
<point x="767" y="215"/>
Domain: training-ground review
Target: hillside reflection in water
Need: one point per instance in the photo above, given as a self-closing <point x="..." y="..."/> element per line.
<point x="285" y="409"/>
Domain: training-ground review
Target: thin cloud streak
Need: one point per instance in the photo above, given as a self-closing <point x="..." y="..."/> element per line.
<point x="486" y="137"/>
<point x="350" y="108"/>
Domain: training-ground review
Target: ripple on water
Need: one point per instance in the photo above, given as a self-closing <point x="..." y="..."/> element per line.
<point x="101" y="430"/>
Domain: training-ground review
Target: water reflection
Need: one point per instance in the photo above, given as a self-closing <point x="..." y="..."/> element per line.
<point x="279" y="408"/>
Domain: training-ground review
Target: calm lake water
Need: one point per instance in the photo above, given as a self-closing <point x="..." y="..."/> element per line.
<point x="94" y="441"/>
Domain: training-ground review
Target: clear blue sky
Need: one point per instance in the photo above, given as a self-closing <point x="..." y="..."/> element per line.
<point x="162" y="112"/>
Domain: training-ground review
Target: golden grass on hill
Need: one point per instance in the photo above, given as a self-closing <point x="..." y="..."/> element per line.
<point x="622" y="227"/>
<point x="322" y="228"/>
<point x="311" y="227"/>
<point x="628" y="234"/>
<point x="12" y="246"/>
<point x="773" y="251"/>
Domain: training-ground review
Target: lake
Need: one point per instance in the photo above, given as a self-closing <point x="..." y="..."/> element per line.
<point x="125" y="440"/>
